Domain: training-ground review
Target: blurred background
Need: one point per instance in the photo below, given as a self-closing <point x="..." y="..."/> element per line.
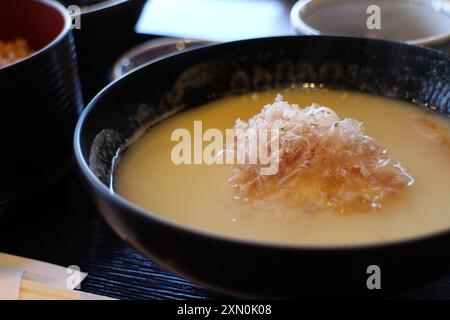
<point x="110" y="28"/>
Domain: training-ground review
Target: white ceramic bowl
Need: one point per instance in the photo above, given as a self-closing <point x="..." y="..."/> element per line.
<point x="419" y="22"/>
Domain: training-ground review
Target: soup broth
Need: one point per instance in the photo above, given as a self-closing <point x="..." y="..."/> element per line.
<point x="201" y="195"/>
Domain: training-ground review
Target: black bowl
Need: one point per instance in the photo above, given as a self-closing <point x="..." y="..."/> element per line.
<point x="40" y="98"/>
<point x="252" y="268"/>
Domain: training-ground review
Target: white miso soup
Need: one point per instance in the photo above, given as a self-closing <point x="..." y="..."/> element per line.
<point x="201" y="195"/>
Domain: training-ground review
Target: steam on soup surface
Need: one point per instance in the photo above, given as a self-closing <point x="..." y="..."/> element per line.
<point x="202" y="196"/>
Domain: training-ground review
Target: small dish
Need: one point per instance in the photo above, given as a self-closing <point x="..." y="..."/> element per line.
<point x="151" y="51"/>
<point x="417" y="22"/>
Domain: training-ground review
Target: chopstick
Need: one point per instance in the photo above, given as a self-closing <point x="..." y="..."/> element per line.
<point x="32" y="290"/>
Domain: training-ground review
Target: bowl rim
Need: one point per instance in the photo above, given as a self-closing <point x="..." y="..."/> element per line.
<point x="105" y="4"/>
<point x="301" y="26"/>
<point x="151" y="45"/>
<point x="61" y="35"/>
<point x="211" y="234"/>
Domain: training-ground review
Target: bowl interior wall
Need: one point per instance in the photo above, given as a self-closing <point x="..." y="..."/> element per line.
<point x="33" y="20"/>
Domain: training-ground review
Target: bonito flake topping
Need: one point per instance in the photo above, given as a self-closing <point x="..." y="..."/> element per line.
<point x="324" y="162"/>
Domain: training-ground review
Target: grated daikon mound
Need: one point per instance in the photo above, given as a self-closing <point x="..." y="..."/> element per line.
<point x="324" y="162"/>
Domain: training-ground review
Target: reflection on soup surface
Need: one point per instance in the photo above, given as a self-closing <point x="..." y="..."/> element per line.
<point x="407" y="199"/>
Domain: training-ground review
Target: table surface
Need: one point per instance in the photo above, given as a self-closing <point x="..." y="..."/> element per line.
<point x="64" y="227"/>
